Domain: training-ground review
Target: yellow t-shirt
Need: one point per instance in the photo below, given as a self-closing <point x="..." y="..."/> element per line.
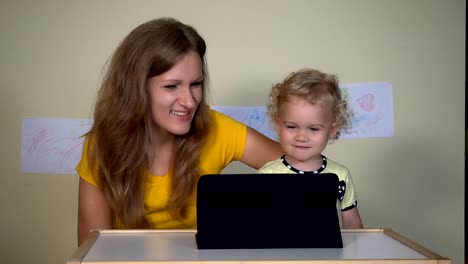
<point x="225" y="143"/>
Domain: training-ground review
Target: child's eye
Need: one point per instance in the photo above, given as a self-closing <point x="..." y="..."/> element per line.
<point x="290" y="127"/>
<point x="314" y="129"/>
<point x="196" y="84"/>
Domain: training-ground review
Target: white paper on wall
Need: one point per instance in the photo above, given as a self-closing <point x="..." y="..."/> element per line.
<point x="372" y="106"/>
<point x="54" y="145"/>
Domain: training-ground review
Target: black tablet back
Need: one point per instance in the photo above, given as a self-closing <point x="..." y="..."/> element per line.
<point x="267" y="211"/>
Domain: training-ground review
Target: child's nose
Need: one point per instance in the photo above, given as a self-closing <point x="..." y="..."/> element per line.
<point x="302" y="138"/>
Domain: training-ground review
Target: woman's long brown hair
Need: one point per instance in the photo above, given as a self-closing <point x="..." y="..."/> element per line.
<point x="121" y="132"/>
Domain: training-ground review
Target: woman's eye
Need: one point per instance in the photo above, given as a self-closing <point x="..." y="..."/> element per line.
<point x="170" y="86"/>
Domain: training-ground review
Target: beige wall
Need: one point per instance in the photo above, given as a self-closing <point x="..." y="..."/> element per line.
<point x="52" y="53"/>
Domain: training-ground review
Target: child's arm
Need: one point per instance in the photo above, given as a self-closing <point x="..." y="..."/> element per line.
<point x="351" y="218"/>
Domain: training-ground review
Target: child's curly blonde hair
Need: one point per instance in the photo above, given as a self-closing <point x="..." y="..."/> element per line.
<point x="317" y="88"/>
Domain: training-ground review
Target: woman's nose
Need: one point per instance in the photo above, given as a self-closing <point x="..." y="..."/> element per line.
<point x="186" y="98"/>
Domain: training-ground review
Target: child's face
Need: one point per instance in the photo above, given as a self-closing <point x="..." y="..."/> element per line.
<point x="304" y="129"/>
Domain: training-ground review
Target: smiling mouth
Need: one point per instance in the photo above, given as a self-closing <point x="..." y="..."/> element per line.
<point x="177" y="113"/>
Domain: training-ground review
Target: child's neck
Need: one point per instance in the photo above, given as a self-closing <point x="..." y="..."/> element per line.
<point x="312" y="164"/>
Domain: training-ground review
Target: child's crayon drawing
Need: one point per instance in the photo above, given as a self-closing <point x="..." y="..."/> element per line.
<point x="52" y="145"/>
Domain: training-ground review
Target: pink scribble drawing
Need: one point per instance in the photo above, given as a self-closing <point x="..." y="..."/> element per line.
<point x="46" y="147"/>
<point x="68" y="154"/>
<point x="37" y="140"/>
<point x="366" y="102"/>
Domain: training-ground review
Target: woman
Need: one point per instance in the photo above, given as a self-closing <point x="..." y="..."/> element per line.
<point x="154" y="134"/>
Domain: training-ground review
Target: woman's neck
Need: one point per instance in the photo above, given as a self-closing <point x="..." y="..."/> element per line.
<point x="161" y="154"/>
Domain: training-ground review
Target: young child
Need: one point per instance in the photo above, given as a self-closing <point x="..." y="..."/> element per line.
<point x="308" y="111"/>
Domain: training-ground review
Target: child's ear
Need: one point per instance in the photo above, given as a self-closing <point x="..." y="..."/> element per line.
<point x="277" y="124"/>
<point x="334" y="131"/>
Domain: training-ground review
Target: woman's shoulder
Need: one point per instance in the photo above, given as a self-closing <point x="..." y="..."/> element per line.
<point x="218" y="116"/>
<point x="87" y="165"/>
<point x="222" y="121"/>
<point x="226" y="140"/>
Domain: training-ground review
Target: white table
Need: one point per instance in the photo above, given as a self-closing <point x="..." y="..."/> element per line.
<point x="179" y="246"/>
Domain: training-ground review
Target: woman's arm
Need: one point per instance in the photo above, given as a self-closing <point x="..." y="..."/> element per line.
<point x="93" y="210"/>
<point x="259" y="149"/>
<point x="351" y="218"/>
